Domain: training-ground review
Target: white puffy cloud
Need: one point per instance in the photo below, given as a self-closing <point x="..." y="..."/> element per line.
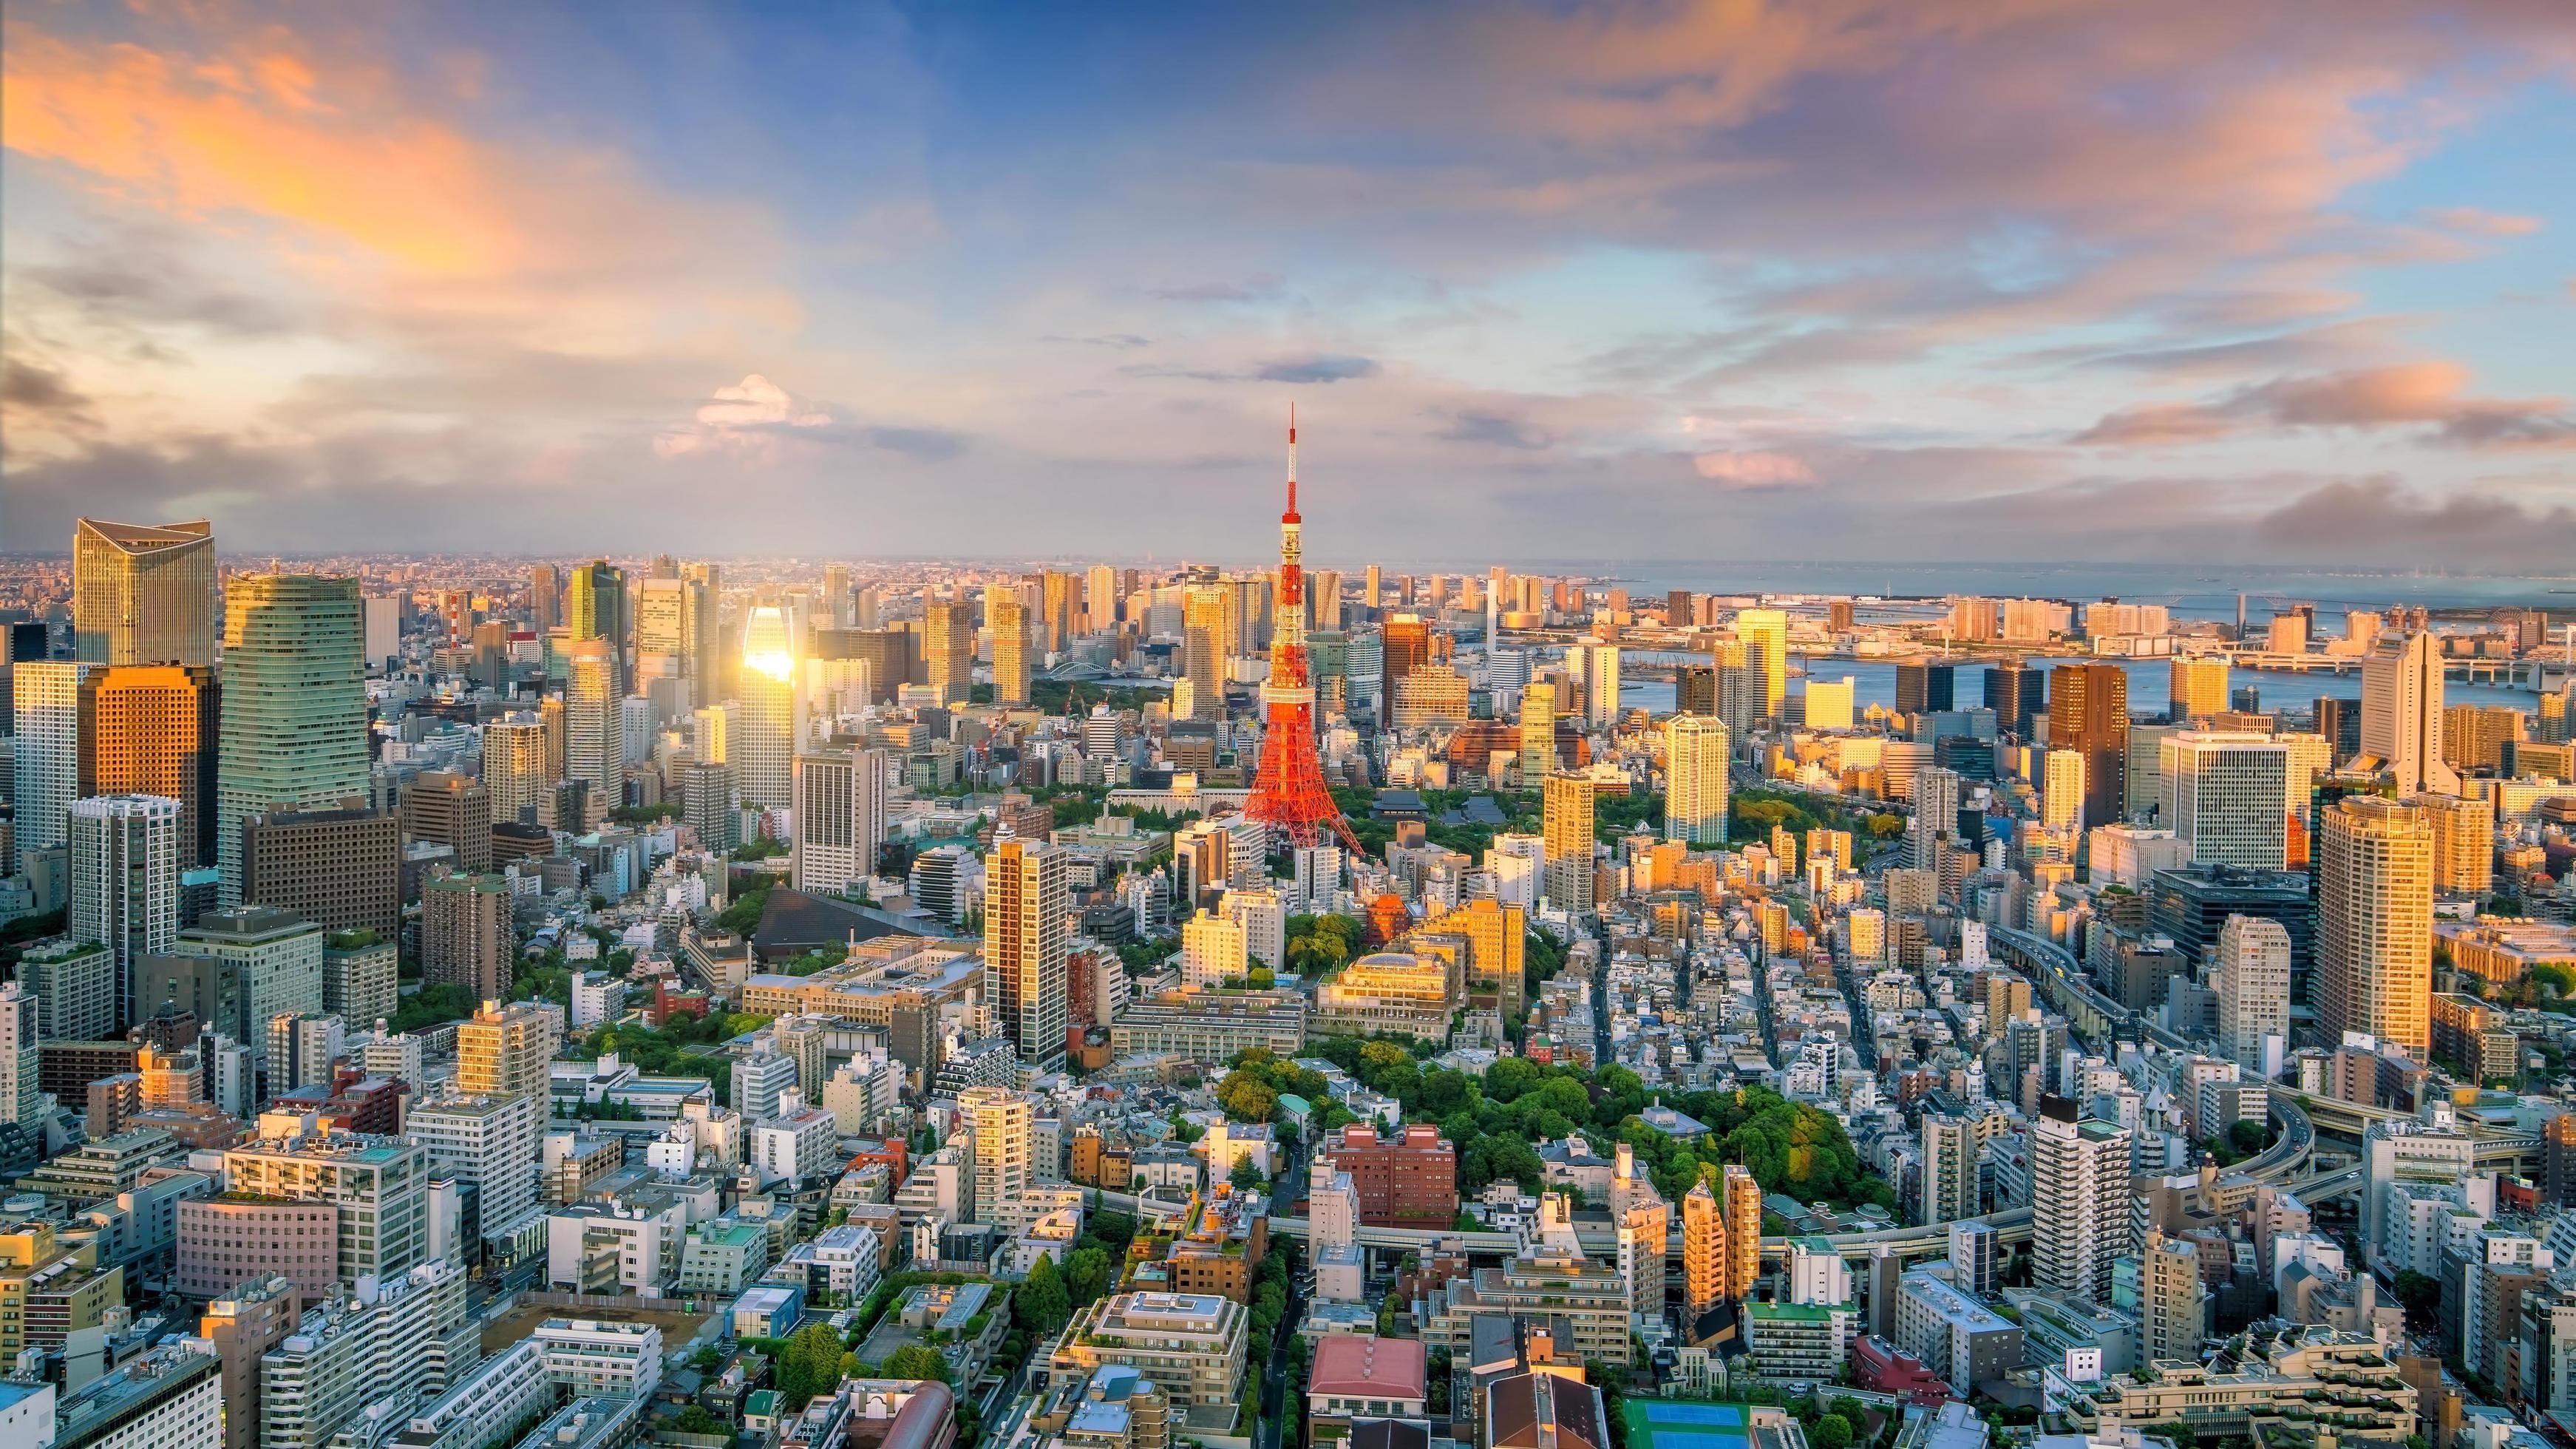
<point x="744" y="416"/>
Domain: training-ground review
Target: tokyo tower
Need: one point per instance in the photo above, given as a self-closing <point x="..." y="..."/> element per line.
<point x="1288" y="792"/>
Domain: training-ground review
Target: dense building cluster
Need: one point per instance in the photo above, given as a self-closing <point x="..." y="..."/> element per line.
<point x="463" y="1003"/>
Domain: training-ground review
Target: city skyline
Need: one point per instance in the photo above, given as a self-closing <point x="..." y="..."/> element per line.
<point x="1812" y="281"/>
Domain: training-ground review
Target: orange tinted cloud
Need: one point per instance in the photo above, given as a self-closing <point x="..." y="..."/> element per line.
<point x="363" y="187"/>
<point x="2374" y="397"/>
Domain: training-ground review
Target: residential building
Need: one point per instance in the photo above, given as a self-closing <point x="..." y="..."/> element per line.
<point x="2375" y="922"/>
<point x="1191" y="1344"/>
<point x="1026" y="901"/>
<point x="380" y="1185"/>
<point x="466" y="935"/>
<point x="2079" y="1200"/>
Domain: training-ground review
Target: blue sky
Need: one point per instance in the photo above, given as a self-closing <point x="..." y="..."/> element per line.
<point x="1971" y="279"/>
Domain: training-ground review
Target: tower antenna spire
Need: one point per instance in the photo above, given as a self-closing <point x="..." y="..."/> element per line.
<point x="1292" y="460"/>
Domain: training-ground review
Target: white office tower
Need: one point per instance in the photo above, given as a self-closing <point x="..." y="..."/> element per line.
<point x="1935" y="817"/>
<point x="2401" y="715"/>
<point x="1976" y="1258"/>
<point x="2403" y="1155"/>
<point x="594" y="726"/>
<point x="1695" y="761"/>
<point x="2079" y="1200"/>
<point x="1100" y="733"/>
<point x="45" y="760"/>
<point x="494" y="1143"/>
<point x="2226" y="796"/>
<point x="1818" y="1276"/>
<point x="20" y="1098"/>
<point x="1003" y="1123"/>
<point x="1212" y="950"/>
<point x="661" y="628"/>
<point x="1519" y="867"/>
<point x="840" y="819"/>
<point x="762" y="749"/>
<point x="2061" y="791"/>
<point x="1319" y="878"/>
<point x="1333" y="1225"/>
<point x="2250" y="972"/>
<point x="359" y="1368"/>
<point x="124" y="867"/>
<point x="1263" y="915"/>
<point x="1597" y="665"/>
<point x="1949" y="1168"/>
<point x="760" y="1080"/>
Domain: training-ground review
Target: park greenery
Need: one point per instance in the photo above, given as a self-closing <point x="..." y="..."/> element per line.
<point x="1493" y="1121"/>
<point x="743" y="916"/>
<point x="433" y="1005"/>
<point x="1318" y="946"/>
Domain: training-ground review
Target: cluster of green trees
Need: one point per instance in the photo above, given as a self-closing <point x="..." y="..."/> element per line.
<point x="1753" y="810"/>
<point x="433" y="1005"/>
<point x="761" y="847"/>
<point x="684" y="1047"/>
<point x="1321" y="945"/>
<point x="1792" y="1149"/>
<point x="812" y="1361"/>
<point x="1270" y="1294"/>
<point x="742" y="917"/>
<point x="1616" y="817"/>
<point x="1494" y="1121"/>
<point x="1142" y="957"/>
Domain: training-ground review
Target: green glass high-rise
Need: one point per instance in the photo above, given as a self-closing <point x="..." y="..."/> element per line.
<point x="595" y="607"/>
<point x="294" y="708"/>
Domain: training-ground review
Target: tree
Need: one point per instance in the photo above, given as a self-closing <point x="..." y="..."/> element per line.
<point x="1246" y="1177"/>
<point x="696" y="1420"/>
<point x="809" y="1363"/>
<point x="913" y="1361"/>
<point x="2420" y="1294"/>
<point x="1833" y="1431"/>
<point x="1086" y="1273"/>
<point x="1043" y="1303"/>
<point x="1245" y="1097"/>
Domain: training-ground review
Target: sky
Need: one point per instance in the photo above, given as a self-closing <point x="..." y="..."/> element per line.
<point x="1916" y="280"/>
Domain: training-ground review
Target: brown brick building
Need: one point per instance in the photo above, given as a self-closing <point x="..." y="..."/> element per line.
<point x="1406" y="1181"/>
<point x="339" y="868"/>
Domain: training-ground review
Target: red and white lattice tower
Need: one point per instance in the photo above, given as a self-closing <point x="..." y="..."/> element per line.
<point x="1288" y="792"/>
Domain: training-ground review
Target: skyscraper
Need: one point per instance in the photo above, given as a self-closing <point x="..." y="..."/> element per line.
<point x="1057" y="592"/>
<point x="143" y="594"/>
<point x="1407" y="642"/>
<point x="1537" y="731"/>
<point x="2250" y="972"/>
<point x="1010" y="625"/>
<point x="1566" y="826"/>
<point x="2401" y="714"/>
<point x="514" y="766"/>
<point x="841" y="800"/>
<point x="1600" y="684"/>
<point x="2226" y="796"/>
<point x="761" y="745"/>
<point x="294" y="706"/>
<point x="2061" y="795"/>
<point x="948" y="649"/>
<point x="595" y="607"/>
<point x="1026" y="898"/>
<point x="1703" y="1251"/>
<point x="2088" y="712"/>
<point x="2017" y="694"/>
<point x="545" y="597"/>
<point x="2079" y="1200"/>
<point x="1695" y="780"/>
<point x="2172" y="1304"/>
<point x="1924" y="685"/>
<point x="20" y="1059"/>
<point x="124" y="867"/>
<point x="594" y="727"/>
<point x="1204" y="647"/>
<point x="1765" y="633"/>
<point x="661" y="628"/>
<point x="2198" y="687"/>
<point x="1950" y="1146"/>
<point x="465" y="934"/>
<point x="1003" y="1122"/>
<point x="46" y="757"/>
<point x="2374" y="970"/>
<point x="1742" y="1201"/>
